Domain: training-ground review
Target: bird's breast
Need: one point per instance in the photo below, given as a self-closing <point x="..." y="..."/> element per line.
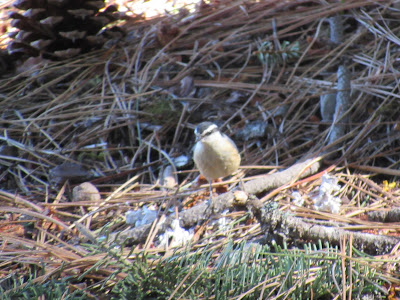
<point x="216" y="157"/>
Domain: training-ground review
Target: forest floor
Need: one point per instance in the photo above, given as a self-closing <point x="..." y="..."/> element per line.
<point x="122" y="119"/>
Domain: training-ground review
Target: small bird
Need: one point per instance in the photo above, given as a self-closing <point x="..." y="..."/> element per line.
<point x="215" y="154"/>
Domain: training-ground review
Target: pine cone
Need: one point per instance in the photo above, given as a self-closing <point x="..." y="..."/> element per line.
<point x="58" y="29"/>
<point x="6" y="62"/>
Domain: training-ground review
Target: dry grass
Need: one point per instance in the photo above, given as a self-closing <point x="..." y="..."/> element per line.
<point x="121" y="113"/>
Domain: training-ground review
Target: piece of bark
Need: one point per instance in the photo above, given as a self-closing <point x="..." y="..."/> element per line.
<point x="392" y="215"/>
<point x="297" y="171"/>
<point x="284" y="227"/>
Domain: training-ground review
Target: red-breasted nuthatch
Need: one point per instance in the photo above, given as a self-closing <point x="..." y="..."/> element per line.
<point x="215" y="154"/>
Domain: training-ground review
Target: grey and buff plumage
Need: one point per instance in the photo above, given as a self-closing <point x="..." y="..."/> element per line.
<point x="215" y="154"/>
